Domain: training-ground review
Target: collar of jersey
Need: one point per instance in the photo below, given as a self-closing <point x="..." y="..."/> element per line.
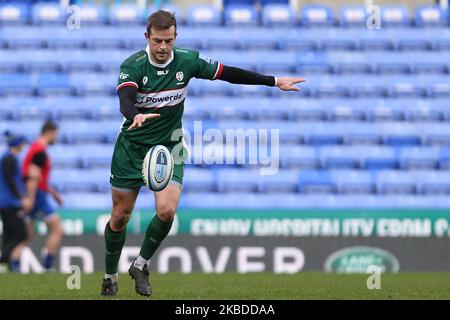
<point x="163" y="65"/>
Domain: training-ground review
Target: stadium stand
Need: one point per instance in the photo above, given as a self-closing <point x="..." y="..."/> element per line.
<point x="369" y="128"/>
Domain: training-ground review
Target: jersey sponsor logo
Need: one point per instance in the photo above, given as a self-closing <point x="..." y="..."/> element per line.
<point x="162" y="72"/>
<point x="179" y="75"/>
<point x="161" y="99"/>
<point x="144" y="81"/>
<point x="123" y="75"/>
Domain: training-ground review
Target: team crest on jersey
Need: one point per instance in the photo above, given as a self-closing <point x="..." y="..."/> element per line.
<point x="144" y="81"/>
<point x="179" y="75"/>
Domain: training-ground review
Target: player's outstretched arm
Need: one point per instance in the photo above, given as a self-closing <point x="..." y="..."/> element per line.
<point x="241" y="76"/>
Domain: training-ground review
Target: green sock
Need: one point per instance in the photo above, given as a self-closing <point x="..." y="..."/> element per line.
<point x="156" y="232"/>
<point x="114" y="242"/>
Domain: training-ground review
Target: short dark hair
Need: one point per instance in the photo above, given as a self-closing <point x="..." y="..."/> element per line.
<point x="161" y="20"/>
<point x="49" y="126"/>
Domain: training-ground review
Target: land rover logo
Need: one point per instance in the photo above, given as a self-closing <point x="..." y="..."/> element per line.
<point x="358" y="259"/>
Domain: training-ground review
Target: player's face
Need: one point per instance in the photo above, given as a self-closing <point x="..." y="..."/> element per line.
<point x="53" y="135"/>
<point x="161" y="43"/>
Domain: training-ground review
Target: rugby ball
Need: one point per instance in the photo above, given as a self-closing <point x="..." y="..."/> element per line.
<point x="157" y="168"/>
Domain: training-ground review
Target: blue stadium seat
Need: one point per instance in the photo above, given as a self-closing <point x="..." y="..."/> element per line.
<point x="435" y="134"/>
<point x="378" y="157"/>
<point x="338" y="157"/>
<point x="86" y="200"/>
<point x="47" y="13"/>
<point x="14" y="83"/>
<point x="203" y="15"/>
<point x="353" y="181"/>
<point x="302" y="157"/>
<point x="353" y="16"/>
<point x="398" y="133"/>
<point x="167" y="6"/>
<point x="284" y="181"/>
<point x="262" y="38"/>
<point x="52" y="84"/>
<point x="395" y="182"/>
<point x="95" y="155"/>
<point x="394" y="16"/>
<point x="85" y="131"/>
<point x="92" y="14"/>
<point x="316" y="16"/>
<point x="125" y="14"/>
<point x="419" y="157"/>
<point x="444" y="158"/>
<point x="276" y="15"/>
<point x="357" y="133"/>
<point x="321" y="133"/>
<point x="199" y="180"/>
<point x="240" y="15"/>
<point x="80" y="180"/>
<point x="305" y="110"/>
<point x="312" y="181"/>
<point x="433" y="182"/>
<point x="14" y="13"/>
<point x="427" y="16"/>
<point x="93" y="83"/>
<point x="237" y="180"/>
<point x="64" y="157"/>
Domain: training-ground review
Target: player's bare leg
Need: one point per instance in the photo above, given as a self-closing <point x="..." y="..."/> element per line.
<point x="166" y="206"/>
<point x="115" y="235"/>
<point x="53" y="240"/>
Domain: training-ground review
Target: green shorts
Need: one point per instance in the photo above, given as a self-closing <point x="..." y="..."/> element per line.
<point x="126" y="165"/>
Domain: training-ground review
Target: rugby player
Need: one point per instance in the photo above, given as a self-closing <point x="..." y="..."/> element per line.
<point x="152" y="87"/>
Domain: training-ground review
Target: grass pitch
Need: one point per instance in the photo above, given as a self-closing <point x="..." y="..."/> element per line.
<point x="305" y="285"/>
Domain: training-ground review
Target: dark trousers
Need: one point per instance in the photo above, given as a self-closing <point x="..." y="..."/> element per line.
<point x="14" y="231"/>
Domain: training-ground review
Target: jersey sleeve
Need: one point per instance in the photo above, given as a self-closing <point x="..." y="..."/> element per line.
<point x="129" y="75"/>
<point x="206" y="68"/>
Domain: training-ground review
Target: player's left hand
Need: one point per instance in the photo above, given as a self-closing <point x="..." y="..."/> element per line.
<point x="287" y="83"/>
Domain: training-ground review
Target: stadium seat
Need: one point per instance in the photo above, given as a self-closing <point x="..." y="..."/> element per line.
<point x="394" y="16"/>
<point x="418" y="157"/>
<point x="397" y="133"/>
<point x="168" y="6"/>
<point x="125" y="14"/>
<point x="92" y="14"/>
<point x="395" y="182"/>
<point x="339" y="157"/>
<point x="353" y="181"/>
<point x="13" y="83"/>
<point x="433" y="182"/>
<point x="284" y="181"/>
<point x="203" y="15"/>
<point x="47" y="13"/>
<point x="14" y="13"/>
<point x="90" y="201"/>
<point x="312" y="181"/>
<point x="52" y="84"/>
<point x="64" y="157"/>
<point x="353" y="16"/>
<point x="276" y="15"/>
<point x="378" y="157"/>
<point x="316" y="16"/>
<point x="240" y="15"/>
<point x="301" y="157"/>
<point x="199" y="180"/>
<point x="430" y="16"/>
<point x="237" y="180"/>
<point x="95" y="155"/>
<point x="435" y="134"/>
<point x="444" y="158"/>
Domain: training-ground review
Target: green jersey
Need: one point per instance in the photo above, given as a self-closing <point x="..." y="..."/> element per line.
<point x="162" y="89"/>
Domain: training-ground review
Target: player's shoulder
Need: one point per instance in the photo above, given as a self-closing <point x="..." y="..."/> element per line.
<point x="186" y="54"/>
<point x="136" y="59"/>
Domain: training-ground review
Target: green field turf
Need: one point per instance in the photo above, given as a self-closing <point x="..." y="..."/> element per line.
<point x="305" y="285"/>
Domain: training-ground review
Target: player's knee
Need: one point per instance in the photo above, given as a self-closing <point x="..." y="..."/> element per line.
<point x="166" y="212"/>
<point x="119" y="218"/>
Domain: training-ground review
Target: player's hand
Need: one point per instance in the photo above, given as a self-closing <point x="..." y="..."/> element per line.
<point x="27" y="204"/>
<point x="57" y="196"/>
<point x="139" y="119"/>
<point x="287" y="83"/>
